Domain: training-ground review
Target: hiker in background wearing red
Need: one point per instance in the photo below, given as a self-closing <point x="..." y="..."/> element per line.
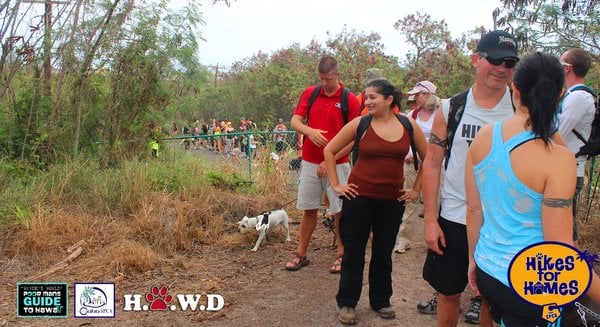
<point x="423" y="116"/>
<point x="326" y="108"/>
<point x="576" y="114"/>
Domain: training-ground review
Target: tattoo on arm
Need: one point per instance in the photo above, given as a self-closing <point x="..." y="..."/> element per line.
<point x="557" y="203"/>
<point x="434" y="139"/>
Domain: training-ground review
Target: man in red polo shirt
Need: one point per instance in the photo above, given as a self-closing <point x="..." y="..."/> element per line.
<point x="325" y="120"/>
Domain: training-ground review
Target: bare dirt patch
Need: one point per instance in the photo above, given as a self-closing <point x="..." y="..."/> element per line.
<point x="256" y="288"/>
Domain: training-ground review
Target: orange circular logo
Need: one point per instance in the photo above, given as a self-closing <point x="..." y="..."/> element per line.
<point x="550" y="275"/>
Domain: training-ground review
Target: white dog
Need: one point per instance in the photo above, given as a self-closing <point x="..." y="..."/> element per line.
<point x="262" y="223"/>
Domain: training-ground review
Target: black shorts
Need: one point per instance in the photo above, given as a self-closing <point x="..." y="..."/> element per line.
<point x="447" y="273"/>
<point x="506" y="306"/>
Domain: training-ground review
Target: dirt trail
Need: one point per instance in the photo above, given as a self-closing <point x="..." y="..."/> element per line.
<point x="256" y="289"/>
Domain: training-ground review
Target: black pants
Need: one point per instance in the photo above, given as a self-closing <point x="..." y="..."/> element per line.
<point x="360" y="217"/>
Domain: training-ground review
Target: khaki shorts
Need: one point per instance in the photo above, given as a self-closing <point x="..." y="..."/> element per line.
<point x="311" y="187"/>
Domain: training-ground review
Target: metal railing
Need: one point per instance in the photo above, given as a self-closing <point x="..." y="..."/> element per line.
<point x="242" y="148"/>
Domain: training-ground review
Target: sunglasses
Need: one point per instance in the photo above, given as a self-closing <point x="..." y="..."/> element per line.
<point x="566" y="64"/>
<point x="425" y="86"/>
<point x="508" y="62"/>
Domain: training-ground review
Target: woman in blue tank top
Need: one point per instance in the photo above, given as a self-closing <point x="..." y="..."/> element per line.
<point x="519" y="190"/>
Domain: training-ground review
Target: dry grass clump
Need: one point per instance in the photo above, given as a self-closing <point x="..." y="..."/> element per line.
<point x="51" y="232"/>
<point x="165" y="223"/>
<point x="122" y="258"/>
<point x="238" y="240"/>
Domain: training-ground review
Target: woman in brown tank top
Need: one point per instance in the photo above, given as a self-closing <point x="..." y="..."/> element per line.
<point x="373" y="198"/>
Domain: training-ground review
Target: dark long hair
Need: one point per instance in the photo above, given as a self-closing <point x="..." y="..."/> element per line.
<point x="540" y="78"/>
<point x="385" y="88"/>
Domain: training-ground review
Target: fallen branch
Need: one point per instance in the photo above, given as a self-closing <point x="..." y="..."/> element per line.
<point x="75" y="246"/>
<point x="61" y="265"/>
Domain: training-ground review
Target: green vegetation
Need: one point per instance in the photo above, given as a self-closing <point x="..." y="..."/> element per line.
<point x="117" y="191"/>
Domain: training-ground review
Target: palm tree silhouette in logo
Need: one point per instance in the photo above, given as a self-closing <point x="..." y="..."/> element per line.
<point x="85" y="296"/>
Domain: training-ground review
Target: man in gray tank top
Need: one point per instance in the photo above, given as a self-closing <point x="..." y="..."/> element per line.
<point x="487" y="101"/>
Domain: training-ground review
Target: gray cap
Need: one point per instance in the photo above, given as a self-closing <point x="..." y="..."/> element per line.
<point x="373" y="74"/>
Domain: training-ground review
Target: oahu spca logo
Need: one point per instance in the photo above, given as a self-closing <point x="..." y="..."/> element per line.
<point x="94" y="300"/>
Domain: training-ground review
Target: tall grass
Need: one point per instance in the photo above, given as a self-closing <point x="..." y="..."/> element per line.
<point x="131" y="215"/>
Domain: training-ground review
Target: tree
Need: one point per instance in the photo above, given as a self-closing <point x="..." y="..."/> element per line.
<point x="265" y="86"/>
<point x="116" y="71"/>
<point x="423" y="33"/>
<point x="553" y="25"/>
<point x="356" y="53"/>
<point x="437" y="56"/>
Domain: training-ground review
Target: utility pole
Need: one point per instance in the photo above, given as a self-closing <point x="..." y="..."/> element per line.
<point x="216" y="74"/>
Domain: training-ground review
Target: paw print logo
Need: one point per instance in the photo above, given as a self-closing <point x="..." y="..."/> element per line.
<point x="539" y="256"/>
<point x="158" y="298"/>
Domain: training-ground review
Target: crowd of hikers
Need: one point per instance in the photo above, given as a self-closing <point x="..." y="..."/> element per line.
<point x="429" y="157"/>
<point x="498" y="167"/>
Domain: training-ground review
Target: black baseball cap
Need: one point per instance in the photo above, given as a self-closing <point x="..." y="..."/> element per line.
<point x="497" y="45"/>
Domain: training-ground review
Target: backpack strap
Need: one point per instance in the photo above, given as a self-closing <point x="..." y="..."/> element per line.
<point x="594" y="96"/>
<point x="364" y="123"/>
<point x="408" y="126"/>
<point x="311" y="100"/>
<point x="343" y="102"/>
<point x="457" y="109"/>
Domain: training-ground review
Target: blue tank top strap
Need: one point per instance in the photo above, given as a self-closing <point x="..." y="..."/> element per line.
<point x="518" y="139"/>
<point x="497" y="135"/>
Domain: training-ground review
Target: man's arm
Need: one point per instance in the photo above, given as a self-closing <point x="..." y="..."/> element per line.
<point x="432" y="165"/>
<point x="315" y="135"/>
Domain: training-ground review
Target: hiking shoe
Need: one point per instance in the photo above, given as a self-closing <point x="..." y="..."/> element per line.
<point x="472" y="315"/>
<point x="402" y="244"/>
<point x="387" y="313"/>
<point x="430" y="307"/>
<point x="347" y="316"/>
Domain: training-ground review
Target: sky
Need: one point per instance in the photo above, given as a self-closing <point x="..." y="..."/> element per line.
<point x="249" y="26"/>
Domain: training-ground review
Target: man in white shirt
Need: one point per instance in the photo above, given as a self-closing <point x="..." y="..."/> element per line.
<point x="576" y="113"/>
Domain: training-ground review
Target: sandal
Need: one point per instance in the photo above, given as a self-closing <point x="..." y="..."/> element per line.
<point x="336" y="268"/>
<point x="297" y="262"/>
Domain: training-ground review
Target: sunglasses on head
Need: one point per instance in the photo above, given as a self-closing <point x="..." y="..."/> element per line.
<point x="508" y="62"/>
<point x="425" y="86"/>
<point x="566" y="64"/>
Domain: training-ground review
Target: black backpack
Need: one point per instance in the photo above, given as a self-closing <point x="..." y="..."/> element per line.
<point x="364" y="123"/>
<point x="343" y="102"/>
<point x="591" y="146"/>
